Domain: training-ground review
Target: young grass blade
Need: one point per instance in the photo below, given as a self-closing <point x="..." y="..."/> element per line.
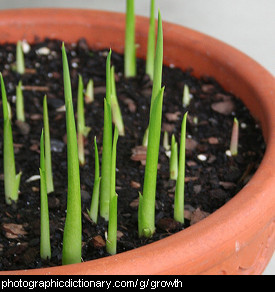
<point x="71" y="252"/>
<point x="174" y="159"/>
<point x="93" y="213"/>
<point x="179" y="192"/>
<point x="111" y="242"/>
<point x="116" y="113"/>
<point x="45" y="245"/>
<point x="107" y="146"/>
<point x="130" y="46"/>
<point x="82" y="130"/>
<point x="20" y="114"/>
<point x="11" y="179"/>
<point x="89" y="93"/>
<point x="48" y="155"/>
<point x="146" y="212"/>
<point x="20" y="62"/>
<point x="151" y="43"/>
<point x="158" y="63"/>
<point x="106" y="162"/>
<point x="234" y="138"/>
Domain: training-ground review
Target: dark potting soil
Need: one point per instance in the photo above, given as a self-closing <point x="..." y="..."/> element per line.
<point x="212" y="177"/>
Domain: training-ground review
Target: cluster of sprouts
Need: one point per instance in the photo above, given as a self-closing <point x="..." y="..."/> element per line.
<point x="104" y="197"/>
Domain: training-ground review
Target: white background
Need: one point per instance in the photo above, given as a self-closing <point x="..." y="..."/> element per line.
<point x="248" y="25"/>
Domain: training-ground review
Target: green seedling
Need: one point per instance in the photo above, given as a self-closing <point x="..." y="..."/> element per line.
<point x="107" y="147"/>
<point x="11" y="179"/>
<point x="89" y="93"/>
<point x="82" y="130"/>
<point x="186" y="98"/>
<point x="20" y="62"/>
<point x="93" y="212"/>
<point x="45" y="244"/>
<point x="179" y="192"/>
<point x="116" y="112"/>
<point x="111" y="243"/>
<point x="146" y="210"/>
<point x="48" y="155"/>
<point x="234" y="138"/>
<point x="71" y="252"/>
<point x="20" y="113"/>
<point x="151" y="43"/>
<point x="174" y="159"/>
<point x="165" y="143"/>
<point x="130" y="46"/>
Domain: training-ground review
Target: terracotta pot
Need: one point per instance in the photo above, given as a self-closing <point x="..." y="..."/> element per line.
<point x="239" y="238"/>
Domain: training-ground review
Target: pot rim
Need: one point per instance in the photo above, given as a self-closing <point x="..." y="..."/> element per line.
<point x="225" y="232"/>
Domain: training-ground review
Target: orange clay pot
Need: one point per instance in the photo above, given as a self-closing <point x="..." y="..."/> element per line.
<point x="239" y="238"/>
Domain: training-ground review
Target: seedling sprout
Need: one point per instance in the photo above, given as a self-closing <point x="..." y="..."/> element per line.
<point x="107" y="147"/>
<point x="20" y="113"/>
<point x="174" y="159"/>
<point x="72" y="238"/>
<point x="11" y="179"/>
<point x="179" y="192"/>
<point x="45" y="245"/>
<point x="186" y="96"/>
<point x="48" y="155"/>
<point x="116" y="112"/>
<point x="165" y="144"/>
<point x="89" y="93"/>
<point x="146" y="210"/>
<point x="234" y="138"/>
<point x="20" y="62"/>
<point x="93" y="212"/>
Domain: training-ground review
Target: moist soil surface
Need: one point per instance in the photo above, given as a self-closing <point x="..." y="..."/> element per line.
<point x="212" y="176"/>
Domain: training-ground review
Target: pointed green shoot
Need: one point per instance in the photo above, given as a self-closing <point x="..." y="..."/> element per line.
<point x="186" y="96"/>
<point x="20" y="62"/>
<point x="93" y="212"/>
<point x="71" y="252"/>
<point x="82" y="130"/>
<point x="151" y="43"/>
<point x="179" y="192"/>
<point x="20" y="113"/>
<point x="107" y="146"/>
<point x="234" y="138"/>
<point x="158" y="63"/>
<point x="89" y="93"/>
<point x="111" y="243"/>
<point x="11" y="179"/>
<point x="45" y="244"/>
<point x="146" y="211"/>
<point x="174" y="159"/>
<point x="130" y="46"/>
<point x="116" y="112"/>
<point x="108" y="78"/>
<point x="48" y="155"/>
